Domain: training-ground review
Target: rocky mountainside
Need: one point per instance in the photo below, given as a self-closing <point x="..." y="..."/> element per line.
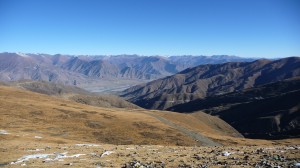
<point x="86" y="70"/>
<point x="270" y="111"/>
<point x="209" y="80"/>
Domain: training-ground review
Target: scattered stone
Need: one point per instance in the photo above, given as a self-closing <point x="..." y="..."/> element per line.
<point x="138" y="164"/>
<point x="246" y="157"/>
<point x="106" y="153"/>
<point x="35" y="150"/>
<point x="89" y="145"/>
<point x="225" y="153"/>
<point x="196" y="156"/>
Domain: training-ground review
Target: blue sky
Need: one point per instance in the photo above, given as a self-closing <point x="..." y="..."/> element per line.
<point x="249" y="28"/>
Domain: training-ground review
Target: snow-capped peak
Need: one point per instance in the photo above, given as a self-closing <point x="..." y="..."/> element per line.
<point x="22" y="54"/>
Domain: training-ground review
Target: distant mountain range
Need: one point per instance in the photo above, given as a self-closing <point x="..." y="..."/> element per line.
<point x="84" y="70"/>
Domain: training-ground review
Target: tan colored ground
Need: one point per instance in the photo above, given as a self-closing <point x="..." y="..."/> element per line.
<point x="53" y="124"/>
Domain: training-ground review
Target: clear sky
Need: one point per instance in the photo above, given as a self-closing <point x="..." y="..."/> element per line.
<point x="249" y="28"/>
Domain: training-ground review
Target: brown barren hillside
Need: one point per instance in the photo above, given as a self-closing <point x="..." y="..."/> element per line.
<point x="28" y="112"/>
<point x="74" y="93"/>
<point x="108" y="101"/>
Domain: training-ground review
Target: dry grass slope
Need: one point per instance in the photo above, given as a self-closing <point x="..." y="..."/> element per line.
<point x="108" y="101"/>
<point x="37" y="121"/>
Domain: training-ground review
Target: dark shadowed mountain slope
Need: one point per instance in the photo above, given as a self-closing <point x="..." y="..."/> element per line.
<point x="271" y="118"/>
<point x="209" y="80"/>
<point x="269" y="111"/>
<point x="211" y="104"/>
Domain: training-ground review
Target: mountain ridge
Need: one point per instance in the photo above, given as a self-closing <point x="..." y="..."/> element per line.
<point x="84" y="70"/>
<point x="210" y="79"/>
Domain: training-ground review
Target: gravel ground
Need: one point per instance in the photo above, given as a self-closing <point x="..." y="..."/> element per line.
<point x="134" y="156"/>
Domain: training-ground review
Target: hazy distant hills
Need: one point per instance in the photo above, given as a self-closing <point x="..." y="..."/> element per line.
<point x="15" y="67"/>
<point x="84" y="70"/>
<point x="209" y="80"/>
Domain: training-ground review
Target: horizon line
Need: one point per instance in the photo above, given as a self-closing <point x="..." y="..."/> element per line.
<point x="150" y="55"/>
